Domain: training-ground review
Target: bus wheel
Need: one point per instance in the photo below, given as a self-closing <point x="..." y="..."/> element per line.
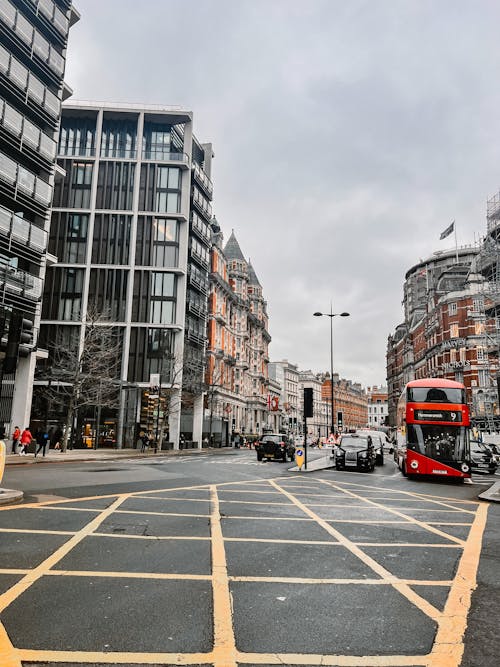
<point x="403" y="469"/>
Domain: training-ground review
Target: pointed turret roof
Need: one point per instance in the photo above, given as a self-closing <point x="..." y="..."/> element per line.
<point x="232" y="249"/>
<point x="252" y="276"/>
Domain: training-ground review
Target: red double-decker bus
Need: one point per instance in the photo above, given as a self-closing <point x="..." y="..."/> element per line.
<point x="433" y="429"/>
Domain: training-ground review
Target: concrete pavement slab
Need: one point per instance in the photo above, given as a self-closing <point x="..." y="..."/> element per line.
<point x="8" y="580"/>
<point x="436" y="595"/>
<point x="230" y="509"/>
<point x="417" y="562"/>
<point x="388" y="533"/>
<point x="181" y="506"/>
<point x="285" y="529"/>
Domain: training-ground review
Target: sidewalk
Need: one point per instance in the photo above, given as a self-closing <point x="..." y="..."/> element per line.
<point x="104" y="454"/>
<point x="492" y="494"/>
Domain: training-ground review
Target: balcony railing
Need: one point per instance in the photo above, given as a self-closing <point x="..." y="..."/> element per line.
<point x="200" y="226"/>
<point x="160" y="154"/>
<point x="20" y="283"/>
<point x="24" y="181"/>
<point x="75" y="151"/>
<point x="117" y="152"/>
<point x="28" y="83"/>
<point x="202" y="204"/>
<point x="29" y="35"/>
<point x="53" y="14"/>
<point x="202" y="179"/>
<point x="29" y="134"/>
<point x="22" y="230"/>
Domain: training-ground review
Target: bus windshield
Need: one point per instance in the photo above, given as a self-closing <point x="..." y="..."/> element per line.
<point x="444" y="443"/>
<point x="435" y="395"/>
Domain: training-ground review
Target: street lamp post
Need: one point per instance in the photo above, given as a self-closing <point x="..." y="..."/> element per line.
<point x="331" y="315"/>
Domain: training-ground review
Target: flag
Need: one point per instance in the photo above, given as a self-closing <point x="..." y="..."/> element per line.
<point x="447" y="231"/>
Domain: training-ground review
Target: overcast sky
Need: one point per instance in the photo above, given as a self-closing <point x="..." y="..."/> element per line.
<point x="347" y="137"/>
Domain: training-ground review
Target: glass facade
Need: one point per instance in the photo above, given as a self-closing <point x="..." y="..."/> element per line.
<point x="111" y="242"/>
<point x="74" y="190"/>
<point x="68" y="237"/>
<point x="154" y="297"/>
<point x="115" y="186"/>
<point x="62" y="297"/>
<point x="118" y="138"/>
<point x="160" y="189"/>
<point x="157" y="242"/>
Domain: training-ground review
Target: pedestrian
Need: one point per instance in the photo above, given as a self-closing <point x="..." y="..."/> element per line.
<point x="56" y="439"/>
<point x="15" y="439"/>
<point x="26" y="439"/>
<point x="42" y="438"/>
<point x="144" y="442"/>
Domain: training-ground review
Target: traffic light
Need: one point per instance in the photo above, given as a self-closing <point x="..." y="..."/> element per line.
<point x="26" y="338"/>
<point x="308" y="402"/>
<point x="19" y="341"/>
<point x="340" y="419"/>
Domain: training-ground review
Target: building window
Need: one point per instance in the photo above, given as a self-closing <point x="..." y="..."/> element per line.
<point x="453" y="330"/>
<point x="463" y="354"/>
<point x="452" y="308"/>
<point x="68" y="237"/>
<point x="480" y="353"/>
<point x="77" y="136"/>
<point x="108" y="292"/>
<point x="479" y="328"/>
<point x="154" y="297"/>
<point x="111" y="242"/>
<point x="63" y="295"/>
<point x="118" y="138"/>
<point x="157" y="242"/>
<point x="115" y="186"/>
<point x="477" y="305"/>
<point x="483" y="378"/>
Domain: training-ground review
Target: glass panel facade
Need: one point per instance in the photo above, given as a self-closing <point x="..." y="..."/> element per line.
<point x="107" y="292"/>
<point x="115" y="186"/>
<point x="111" y="242"/>
<point x="157" y="242"/>
<point x="159" y="189"/>
<point x="68" y="237"/>
<point x="154" y="297"/>
<point x="150" y="352"/>
<point x="119" y="138"/>
<point x="74" y="190"/>
<point x="63" y="295"/>
<point x="77" y="136"/>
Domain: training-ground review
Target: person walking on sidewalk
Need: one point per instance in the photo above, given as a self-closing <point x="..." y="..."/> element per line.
<point x="15" y="439"/>
<point x="42" y="438"/>
<point x="26" y="439"/>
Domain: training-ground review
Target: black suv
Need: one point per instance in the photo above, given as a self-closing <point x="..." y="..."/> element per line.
<point x="482" y="458"/>
<point x="275" y="446"/>
<point x="356" y="452"/>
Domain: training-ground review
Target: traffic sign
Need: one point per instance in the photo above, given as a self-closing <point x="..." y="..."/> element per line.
<point x="299" y="458"/>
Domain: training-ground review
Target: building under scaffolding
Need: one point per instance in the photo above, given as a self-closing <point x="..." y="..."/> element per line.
<point x="486" y="398"/>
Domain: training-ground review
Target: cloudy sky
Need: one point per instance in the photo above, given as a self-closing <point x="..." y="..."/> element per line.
<point x="347" y="136"/>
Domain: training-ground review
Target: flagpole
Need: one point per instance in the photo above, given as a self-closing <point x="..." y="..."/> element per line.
<point x="456" y="245"/>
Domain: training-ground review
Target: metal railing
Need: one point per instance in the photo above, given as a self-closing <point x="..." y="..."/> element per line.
<point x="22" y="230"/>
<point x="20" y="283"/>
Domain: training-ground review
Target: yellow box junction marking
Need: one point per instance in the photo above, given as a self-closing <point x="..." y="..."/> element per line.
<point x="447" y="650"/>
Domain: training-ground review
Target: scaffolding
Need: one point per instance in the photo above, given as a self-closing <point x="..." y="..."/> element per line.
<point x="485" y="404"/>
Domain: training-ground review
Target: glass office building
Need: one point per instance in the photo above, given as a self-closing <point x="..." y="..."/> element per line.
<point x="130" y="233"/>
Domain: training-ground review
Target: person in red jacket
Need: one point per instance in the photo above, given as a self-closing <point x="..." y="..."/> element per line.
<point x="15" y="438"/>
<point x="26" y="439"/>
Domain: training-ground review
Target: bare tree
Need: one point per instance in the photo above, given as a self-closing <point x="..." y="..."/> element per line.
<point x="83" y="375"/>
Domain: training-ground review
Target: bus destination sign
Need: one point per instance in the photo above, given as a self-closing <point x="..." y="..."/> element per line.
<point x="439" y="415"/>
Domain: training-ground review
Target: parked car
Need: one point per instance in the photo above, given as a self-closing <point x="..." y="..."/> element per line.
<point x="495" y="450"/>
<point x="356" y="452"/>
<point x="482" y="458"/>
<point x="275" y="447"/>
<point x="378" y="439"/>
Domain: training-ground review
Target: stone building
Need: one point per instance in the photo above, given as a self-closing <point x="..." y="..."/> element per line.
<point x="238" y="339"/>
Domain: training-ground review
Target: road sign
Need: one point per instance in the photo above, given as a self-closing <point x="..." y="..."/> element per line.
<point x="299" y="458"/>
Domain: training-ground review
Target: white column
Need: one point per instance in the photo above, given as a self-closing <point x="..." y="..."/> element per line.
<point x="174" y="418"/>
<point x="23" y="392"/>
<point x="198" y="419"/>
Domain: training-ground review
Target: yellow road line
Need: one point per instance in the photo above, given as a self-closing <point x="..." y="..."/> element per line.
<point x="448" y="646"/>
<point x="37" y="532"/>
<point x="426" y="500"/>
<point x="149" y="513"/>
<point x="340" y="582"/>
<point x="266" y="518"/>
<point x="405" y="590"/>
<point x="110" y="658"/>
<point x="127" y="575"/>
<point x="332" y="660"/>
<point x="9" y="656"/>
<point x="276" y="541"/>
<point x="65" y="509"/>
<point x="410" y="519"/>
<point x="6" y="570"/>
<point x="405" y="493"/>
<point x="224" y="640"/>
<point x="149" y="537"/>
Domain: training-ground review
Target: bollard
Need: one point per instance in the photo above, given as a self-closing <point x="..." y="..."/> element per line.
<point x="3" y="454"/>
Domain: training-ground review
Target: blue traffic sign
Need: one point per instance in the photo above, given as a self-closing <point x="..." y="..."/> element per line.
<point x="299" y="452"/>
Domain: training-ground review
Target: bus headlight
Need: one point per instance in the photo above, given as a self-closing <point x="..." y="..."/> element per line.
<point x="414" y="464"/>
